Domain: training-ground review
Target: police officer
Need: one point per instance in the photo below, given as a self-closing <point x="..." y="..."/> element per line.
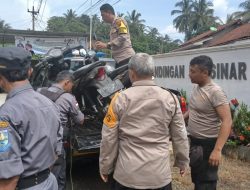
<point x="120" y="42"/>
<point x="60" y="93"/>
<point x="136" y="132"/>
<point x="30" y="127"/>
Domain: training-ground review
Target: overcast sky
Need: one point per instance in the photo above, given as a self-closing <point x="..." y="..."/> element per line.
<point x="155" y="12"/>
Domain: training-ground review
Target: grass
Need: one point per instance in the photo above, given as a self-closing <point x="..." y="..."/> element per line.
<point x="233" y="175"/>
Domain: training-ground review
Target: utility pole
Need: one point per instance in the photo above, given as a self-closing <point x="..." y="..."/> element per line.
<point x="33" y="12"/>
<point x="90" y="28"/>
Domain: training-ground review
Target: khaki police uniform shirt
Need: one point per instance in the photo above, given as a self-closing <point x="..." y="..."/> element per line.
<point x="204" y="121"/>
<point x="30" y="133"/>
<point x="120" y="40"/>
<point x="135" y="137"/>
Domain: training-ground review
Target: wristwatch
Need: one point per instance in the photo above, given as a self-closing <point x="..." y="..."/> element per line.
<point x="108" y="45"/>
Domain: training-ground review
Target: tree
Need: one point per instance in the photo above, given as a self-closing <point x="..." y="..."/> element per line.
<point x="232" y="17"/>
<point x="167" y="38"/>
<point x="69" y="23"/>
<point x="70" y="15"/>
<point x="246" y="13"/>
<point x="84" y="19"/>
<point x="136" y="25"/>
<point x="151" y="41"/>
<point x="4" y="25"/>
<point x="56" y="24"/>
<point x="152" y="32"/>
<point x="182" y="21"/>
<point x="120" y="14"/>
<point x="203" y="16"/>
<point x="134" y="18"/>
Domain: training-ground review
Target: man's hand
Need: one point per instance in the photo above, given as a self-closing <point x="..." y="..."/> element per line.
<point x="100" y="45"/>
<point x="104" y="177"/>
<point x="214" y="159"/>
<point x="9" y="184"/>
<point x="182" y="171"/>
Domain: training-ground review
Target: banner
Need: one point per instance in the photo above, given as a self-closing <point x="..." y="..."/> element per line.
<point x="40" y="45"/>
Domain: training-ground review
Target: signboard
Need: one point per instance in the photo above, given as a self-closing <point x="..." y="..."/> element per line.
<point x="231" y="69"/>
<point x="40" y="45"/>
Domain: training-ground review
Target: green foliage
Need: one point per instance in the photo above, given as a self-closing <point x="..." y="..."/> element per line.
<point x="56" y="24"/>
<point x="149" y="41"/>
<point x="184" y="93"/>
<point x="194" y="17"/>
<point x="232" y="143"/>
<point x="4" y="25"/>
<point x="245" y="14"/>
<point x="183" y="21"/>
<point x="241" y="124"/>
<point x="35" y="59"/>
<point x="197" y="16"/>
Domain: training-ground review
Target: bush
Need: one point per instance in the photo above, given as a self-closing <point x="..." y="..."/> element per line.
<point x="241" y="124"/>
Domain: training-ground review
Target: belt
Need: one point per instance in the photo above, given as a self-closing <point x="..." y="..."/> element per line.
<point x="203" y="142"/>
<point x="33" y="180"/>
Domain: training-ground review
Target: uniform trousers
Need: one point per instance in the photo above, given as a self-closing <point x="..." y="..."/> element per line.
<point x="49" y="184"/>
<point x="125" y="77"/>
<point x="204" y="176"/>
<point x="59" y="170"/>
<point x="123" y="62"/>
<point x="117" y="186"/>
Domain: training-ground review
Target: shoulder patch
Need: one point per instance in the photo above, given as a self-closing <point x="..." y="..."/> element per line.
<point x="110" y="119"/>
<point x="122" y="28"/>
<point x="4" y="124"/>
<point x="4" y="136"/>
<point x="118" y="22"/>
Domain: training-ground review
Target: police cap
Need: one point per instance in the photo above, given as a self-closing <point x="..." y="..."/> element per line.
<point x="14" y="58"/>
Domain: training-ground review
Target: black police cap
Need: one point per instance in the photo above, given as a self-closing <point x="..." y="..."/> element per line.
<point x="14" y="58"/>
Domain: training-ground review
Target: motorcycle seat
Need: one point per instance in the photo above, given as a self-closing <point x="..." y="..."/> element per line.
<point x="85" y="69"/>
<point x="118" y="71"/>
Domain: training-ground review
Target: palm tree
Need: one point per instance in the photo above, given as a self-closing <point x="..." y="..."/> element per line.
<point x="70" y="15"/>
<point x="246" y="13"/>
<point x="203" y="16"/>
<point x="232" y="17"/>
<point x="120" y="14"/>
<point x="134" y="18"/>
<point x="4" y="25"/>
<point x="153" y="32"/>
<point x="166" y="38"/>
<point x="136" y="25"/>
<point x="182" y="22"/>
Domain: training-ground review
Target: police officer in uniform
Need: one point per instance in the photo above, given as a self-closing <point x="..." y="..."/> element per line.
<point x="120" y="42"/>
<point x="60" y="93"/>
<point x="30" y="127"/>
<point x="136" y="132"/>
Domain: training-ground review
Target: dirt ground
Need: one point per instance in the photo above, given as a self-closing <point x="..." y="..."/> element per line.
<point x="233" y="175"/>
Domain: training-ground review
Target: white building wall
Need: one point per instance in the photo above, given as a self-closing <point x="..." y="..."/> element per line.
<point x="234" y="60"/>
